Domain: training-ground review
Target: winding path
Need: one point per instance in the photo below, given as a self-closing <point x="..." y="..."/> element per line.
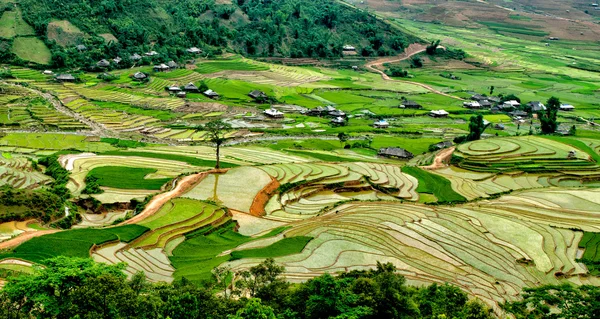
<point x="440" y="159"/>
<point x="412" y="50"/>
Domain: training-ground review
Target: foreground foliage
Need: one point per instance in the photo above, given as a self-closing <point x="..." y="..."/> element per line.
<point x="80" y="288"/>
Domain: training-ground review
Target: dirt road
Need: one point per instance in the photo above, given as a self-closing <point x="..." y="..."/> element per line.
<point x="184" y="184"/>
<point x="440" y="159"/>
<point x="412" y="50"/>
<point x="23" y="237"/>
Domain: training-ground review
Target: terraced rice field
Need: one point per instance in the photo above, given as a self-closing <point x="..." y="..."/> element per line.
<point x="231" y="188"/>
<point x="18" y="172"/>
<point x="526" y="153"/>
<point x="178" y="217"/>
<point x="148" y="253"/>
<point x="81" y="165"/>
<point x="490" y="250"/>
<point x="153" y="263"/>
<point x="310" y="188"/>
<point x="473" y="185"/>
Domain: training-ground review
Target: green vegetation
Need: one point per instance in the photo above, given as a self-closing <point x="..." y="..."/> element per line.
<point x="284" y="247"/>
<point x="72" y="243"/>
<point x="127" y="177"/>
<point x="31" y="49"/>
<point x="79" y="288"/>
<point x="20" y="204"/>
<point x="308" y="29"/>
<point x="434" y="184"/>
<point x="591" y="256"/>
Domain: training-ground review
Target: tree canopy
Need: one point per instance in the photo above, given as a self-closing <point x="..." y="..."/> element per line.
<point x="288" y="28"/>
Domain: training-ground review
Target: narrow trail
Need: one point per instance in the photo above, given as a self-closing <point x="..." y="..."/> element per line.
<point x="412" y="50"/>
<point x="23" y="237"/>
<point x="440" y="159"/>
<point x="156" y="203"/>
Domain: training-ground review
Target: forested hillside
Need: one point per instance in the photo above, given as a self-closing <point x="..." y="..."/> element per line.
<point x="288" y="28"/>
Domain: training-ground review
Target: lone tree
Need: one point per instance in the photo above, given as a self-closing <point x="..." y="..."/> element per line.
<point x="343" y="137"/>
<point x="548" y="121"/>
<point x="476" y="127"/>
<point x="216" y="131"/>
<point x="432" y="48"/>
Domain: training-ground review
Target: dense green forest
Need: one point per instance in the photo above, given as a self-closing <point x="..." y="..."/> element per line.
<point x="81" y="288"/>
<point x="288" y="28"/>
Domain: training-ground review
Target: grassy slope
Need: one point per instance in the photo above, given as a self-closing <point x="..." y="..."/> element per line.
<point x="591" y="257"/>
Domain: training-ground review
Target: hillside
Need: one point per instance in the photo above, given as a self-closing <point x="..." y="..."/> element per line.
<point x="285" y="28"/>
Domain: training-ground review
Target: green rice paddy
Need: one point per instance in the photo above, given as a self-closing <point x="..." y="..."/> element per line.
<point x="123" y="177"/>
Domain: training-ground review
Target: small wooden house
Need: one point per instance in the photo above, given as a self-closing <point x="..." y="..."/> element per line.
<point x="190" y="87"/>
<point x="438" y="113"/>
<point x="139" y="76"/>
<point x="65" y="78"/>
<point x="273" y="113"/>
<point x="257" y="95"/>
<point x="395" y="152"/>
<point x="211" y="94"/>
<point x="383" y="124"/>
<point x="410" y="105"/>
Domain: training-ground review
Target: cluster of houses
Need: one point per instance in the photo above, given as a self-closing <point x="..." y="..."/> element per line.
<point x="479" y="101"/>
<point x="338" y="117"/>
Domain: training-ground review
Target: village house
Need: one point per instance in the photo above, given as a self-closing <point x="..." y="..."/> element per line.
<point x="273" y="113"/>
<point x="135" y="57"/>
<point x="47" y="72"/>
<point x="194" y="50"/>
<point x="173" y="88"/>
<point x="518" y="114"/>
<point x="338" y="121"/>
<point x="211" y="94"/>
<point x="190" y="87"/>
<point x="103" y="63"/>
<point x="348" y="50"/>
<point x="81" y="47"/>
<point x="181" y="94"/>
<point x="172" y="65"/>
<point x="395" y="152"/>
<point x="257" y="95"/>
<point x="485" y="104"/>
<point x="65" y="78"/>
<point x="499" y="126"/>
<point x="410" y="105"/>
<point x="566" y="107"/>
<point x="472" y="105"/>
<point x="317" y="111"/>
<point x="438" y="113"/>
<point x="117" y="60"/>
<point x="478" y="97"/>
<point x="512" y="104"/>
<point x="151" y="53"/>
<point x="336" y="113"/>
<point x="161" y="68"/>
<point x="139" y="76"/>
<point x="442" y="145"/>
<point x="381" y="124"/>
<point x="536" y="106"/>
